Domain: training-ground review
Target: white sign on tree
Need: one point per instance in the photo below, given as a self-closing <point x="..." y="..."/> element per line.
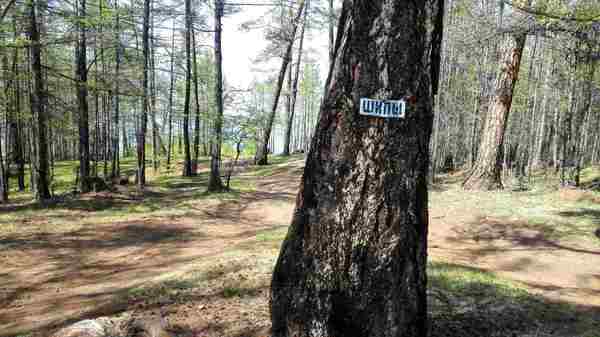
<point x="382" y="108"/>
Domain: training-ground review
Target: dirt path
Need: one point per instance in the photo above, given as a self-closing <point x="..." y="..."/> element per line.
<point x="50" y="278"/>
<point x="557" y="267"/>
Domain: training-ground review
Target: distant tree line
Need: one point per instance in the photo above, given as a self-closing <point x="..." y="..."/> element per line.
<point x="519" y="90"/>
<point x="99" y="80"/>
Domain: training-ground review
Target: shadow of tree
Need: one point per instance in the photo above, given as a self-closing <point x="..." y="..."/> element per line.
<point x="585" y="213"/>
<point x="523" y="235"/>
<point x="466" y="301"/>
<point x="463" y="301"/>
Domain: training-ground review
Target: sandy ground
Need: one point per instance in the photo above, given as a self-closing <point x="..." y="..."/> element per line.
<point x="49" y="279"/>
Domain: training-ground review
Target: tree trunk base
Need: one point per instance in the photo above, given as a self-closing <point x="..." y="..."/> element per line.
<point x="216" y="187"/>
<point x="482" y="180"/>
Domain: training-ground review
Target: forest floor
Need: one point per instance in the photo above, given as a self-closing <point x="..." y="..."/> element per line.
<point x="501" y="264"/>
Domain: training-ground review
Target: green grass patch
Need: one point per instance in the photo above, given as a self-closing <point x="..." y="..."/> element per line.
<point x="232" y="291"/>
<point x="463" y="301"/>
<point x="590" y="175"/>
<point x="467" y="301"/>
<point x="552" y="213"/>
<point x="273" y="235"/>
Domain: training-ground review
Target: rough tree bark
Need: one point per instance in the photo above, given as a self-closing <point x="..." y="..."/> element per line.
<point x="486" y="173"/>
<point x="353" y="262"/>
<point x="262" y="149"/>
<point x="215" y="183"/>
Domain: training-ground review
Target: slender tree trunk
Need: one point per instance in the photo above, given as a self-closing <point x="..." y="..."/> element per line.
<point x="486" y="173"/>
<point x="557" y="122"/>
<point x="262" y="150"/>
<point x="4" y="10"/>
<point x="214" y="181"/>
<point x="565" y="129"/>
<point x="141" y="143"/>
<point x="4" y="168"/>
<point x="197" y="101"/>
<point x="187" y="164"/>
<point x="38" y="110"/>
<point x="171" y="90"/>
<point x="16" y="123"/>
<point x="3" y="179"/>
<point x="576" y="136"/>
<point x="105" y="104"/>
<point x="155" y="131"/>
<point x="126" y="149"/>
<point x="96" y="135"/>
<point x="3" y="172"/>
<point x="354" y="260"/>
<point x="82" y="93"/>
<point x="294" y="87"/>
<point x="115" y="165"/>
<point x="288" y="106"/>
<point x="179" y="137"/>
<point x="331" y="23"/>
<point x="541" y="134"/>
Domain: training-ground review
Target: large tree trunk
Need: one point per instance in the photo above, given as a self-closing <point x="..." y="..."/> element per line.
<point x="486" y="173"/>
<point x="214" y="180"/>
<point x="353" y="262"/>
<point x="82" y="93"/>
<point x="262" y="149"/>
<point x="38" y="111"/>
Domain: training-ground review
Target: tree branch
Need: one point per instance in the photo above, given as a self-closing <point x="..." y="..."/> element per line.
<point x="5" y="11"/>
<point x="533" y="11"/>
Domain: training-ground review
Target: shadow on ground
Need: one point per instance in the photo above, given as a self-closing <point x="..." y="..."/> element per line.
<point x="468" y="301"/>
<point x="523" y="235"/>
<point x="232" y="300"/>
